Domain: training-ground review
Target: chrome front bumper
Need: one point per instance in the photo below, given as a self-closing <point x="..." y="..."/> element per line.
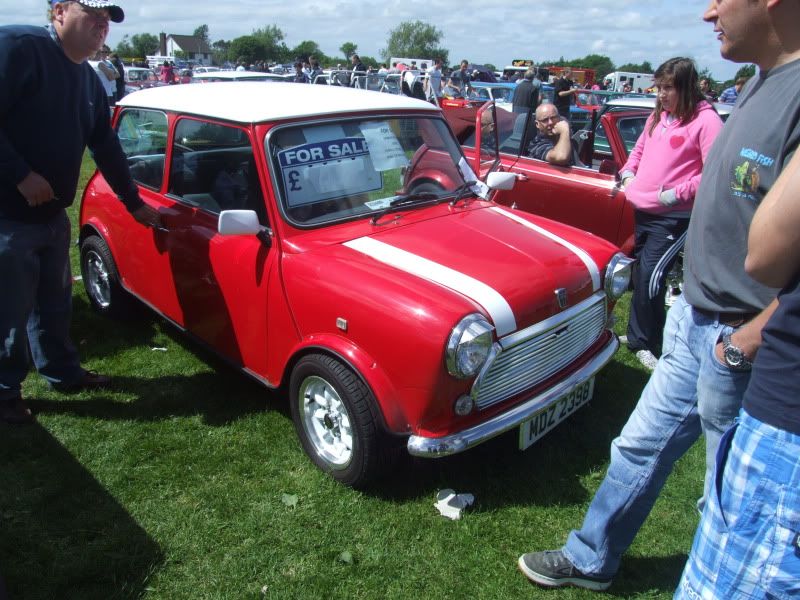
<point x="463" y="440"/>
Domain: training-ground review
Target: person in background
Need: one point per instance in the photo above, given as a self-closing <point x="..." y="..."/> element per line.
<point x="316" y="70"/>
<point x="107" y="74"/>
<point x="707" y="91"/>
<point x="299" y="74"/>
<point x="756" y="499"/>
<point x="713" y="330"/>
<point x="660" y="180"/>
<point x="41" y="150"/>
<point x="729" y="95"/>
<point x="527" y="94"/>
<point x="563" y="93"/>
<point x="433" y="83"/>
<point x="120" y="81"/>
<point x="552" y="142"/>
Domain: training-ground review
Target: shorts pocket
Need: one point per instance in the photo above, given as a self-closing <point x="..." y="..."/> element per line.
<point x="781" y="577"/>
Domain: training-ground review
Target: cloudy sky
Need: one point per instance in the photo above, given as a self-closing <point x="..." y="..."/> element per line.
<point x="481" y="31"/>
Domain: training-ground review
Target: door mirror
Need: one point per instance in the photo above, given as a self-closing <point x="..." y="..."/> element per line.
<point x="501" y="181"/>
<point x="238" y="222"/>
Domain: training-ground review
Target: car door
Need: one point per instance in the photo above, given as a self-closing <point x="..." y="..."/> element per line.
<point x="579" y="196"/>
<point x="221" y="282"/>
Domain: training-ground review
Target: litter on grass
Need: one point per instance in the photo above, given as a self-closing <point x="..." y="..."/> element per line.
<point x="450" y="505"/>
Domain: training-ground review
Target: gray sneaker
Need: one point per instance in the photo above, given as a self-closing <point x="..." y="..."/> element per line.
<point x="552" y="569"/>
<point x="647" y="358"/>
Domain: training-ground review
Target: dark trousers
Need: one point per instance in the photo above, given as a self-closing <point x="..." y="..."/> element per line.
<point x="654" y="236"/>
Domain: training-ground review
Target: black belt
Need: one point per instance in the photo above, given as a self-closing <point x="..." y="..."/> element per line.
<point x="732" y="319"/>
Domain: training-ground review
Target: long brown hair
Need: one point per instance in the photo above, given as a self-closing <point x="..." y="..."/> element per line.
<point x="682" y="73"/>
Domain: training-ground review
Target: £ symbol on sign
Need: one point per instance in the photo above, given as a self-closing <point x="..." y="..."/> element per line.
<point x="294" y="177"/>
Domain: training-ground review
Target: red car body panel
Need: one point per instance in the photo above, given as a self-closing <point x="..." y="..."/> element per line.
<point x="580" y="197"/>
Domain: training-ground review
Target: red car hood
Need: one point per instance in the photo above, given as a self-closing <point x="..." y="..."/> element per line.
<point x="503" y="260"/>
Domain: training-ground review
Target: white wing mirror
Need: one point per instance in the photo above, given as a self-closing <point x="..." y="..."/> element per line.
<point x="501" y="181"/>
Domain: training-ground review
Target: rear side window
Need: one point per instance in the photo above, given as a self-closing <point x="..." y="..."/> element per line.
<point x="213" y="168"/>
<point x="143" y="135"/>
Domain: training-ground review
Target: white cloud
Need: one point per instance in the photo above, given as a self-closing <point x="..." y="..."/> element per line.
<point x="625" y="30"/>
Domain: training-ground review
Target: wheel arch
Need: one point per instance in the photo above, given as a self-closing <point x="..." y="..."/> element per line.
<point x="384" y="405"/>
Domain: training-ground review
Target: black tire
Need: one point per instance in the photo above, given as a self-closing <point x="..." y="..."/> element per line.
<point x="101" y="280"/>
<point x="426" y="186"/>
<point x="342" y="439"/>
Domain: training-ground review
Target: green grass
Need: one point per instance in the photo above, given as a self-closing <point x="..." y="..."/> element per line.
<point x="171" y="485"/>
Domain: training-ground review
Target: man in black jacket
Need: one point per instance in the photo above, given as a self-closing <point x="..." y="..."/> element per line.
<point x="48" y="116"/>
<point x="527" y="93"/>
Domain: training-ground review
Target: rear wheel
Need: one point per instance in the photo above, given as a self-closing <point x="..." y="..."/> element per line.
<point x="101" y="280"/>
<point x="334" y="421"/>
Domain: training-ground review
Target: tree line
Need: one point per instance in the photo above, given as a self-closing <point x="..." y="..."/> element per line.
<point x="409" y="38"/>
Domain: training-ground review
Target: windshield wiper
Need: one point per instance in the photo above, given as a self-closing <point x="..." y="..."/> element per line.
<point x="461" y="192"/>
<point x="408" y="201"/>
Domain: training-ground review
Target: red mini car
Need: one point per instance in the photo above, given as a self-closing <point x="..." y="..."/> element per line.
<point x="301" y="246"/>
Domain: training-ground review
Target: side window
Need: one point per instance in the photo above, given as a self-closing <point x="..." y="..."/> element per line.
<point x="630" y="130"/>
<point x="143" y="135"/>
<point x="213" y="168"/>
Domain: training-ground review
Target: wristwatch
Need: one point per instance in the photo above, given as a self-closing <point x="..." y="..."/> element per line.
<point x="734" y="356"/>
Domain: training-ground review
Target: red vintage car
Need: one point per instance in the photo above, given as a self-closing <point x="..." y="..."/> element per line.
<point x="587" y="195"/>
<point x="300" y="245"/>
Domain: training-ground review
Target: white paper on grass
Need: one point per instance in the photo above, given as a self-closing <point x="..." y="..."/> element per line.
<point x="450" y="505"/>
<point x="384" y="147"/>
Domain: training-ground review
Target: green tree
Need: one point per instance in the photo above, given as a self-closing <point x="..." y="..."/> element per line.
<point x="645" y="67"/>
<point x="124" y="48"/>
<point x="417" y="39"/>
<point x="248" y="48"/>
<point x="348" y="49"/>
<point x="202" y="33"/>
<point x="307" y="49"/>
<point x="602" y="64"/>
<point x="746" y="71"/>
<point x="219" y="52"/>
<point x="271" y="39"/>
<point x="143" y="44"/>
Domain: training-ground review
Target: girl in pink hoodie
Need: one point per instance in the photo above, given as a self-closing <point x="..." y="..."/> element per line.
<point x="660" y="179"/>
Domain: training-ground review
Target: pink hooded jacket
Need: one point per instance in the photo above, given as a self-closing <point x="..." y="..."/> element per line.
<point x="671" y="159"/>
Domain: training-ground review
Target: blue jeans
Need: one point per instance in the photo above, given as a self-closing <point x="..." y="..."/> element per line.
<point x="689" y="392"/>
<point x="36" y="303"/>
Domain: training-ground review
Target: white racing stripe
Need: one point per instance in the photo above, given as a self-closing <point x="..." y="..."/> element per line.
<point x="579" y="252"/>
<point x="489" y="298"/>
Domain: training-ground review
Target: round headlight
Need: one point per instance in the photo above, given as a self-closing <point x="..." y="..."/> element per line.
<point x="618" y="275"/>
<point x="469" y="346"/>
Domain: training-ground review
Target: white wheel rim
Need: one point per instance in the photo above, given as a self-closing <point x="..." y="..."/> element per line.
<point x="97" y="279"/>
<point x="326" y="421"/>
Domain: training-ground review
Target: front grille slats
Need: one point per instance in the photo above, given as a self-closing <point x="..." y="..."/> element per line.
<point x="531" y="360"/>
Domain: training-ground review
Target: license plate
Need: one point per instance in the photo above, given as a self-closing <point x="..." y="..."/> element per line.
<point x="547" y="418"/>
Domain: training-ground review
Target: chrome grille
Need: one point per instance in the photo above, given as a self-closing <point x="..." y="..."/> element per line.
<point x="528" y="357"/>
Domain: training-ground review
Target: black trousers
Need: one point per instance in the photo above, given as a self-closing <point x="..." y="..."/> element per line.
<point x="654" y="236"/>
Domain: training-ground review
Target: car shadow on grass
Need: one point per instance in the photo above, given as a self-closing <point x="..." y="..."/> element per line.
<point x="556" y="470"/>
<point x="63" y="535"/>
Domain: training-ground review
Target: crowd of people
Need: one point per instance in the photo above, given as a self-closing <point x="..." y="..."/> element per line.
<point x="725" y="359"/>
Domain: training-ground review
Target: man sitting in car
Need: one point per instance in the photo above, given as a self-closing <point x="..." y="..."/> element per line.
<point x="552" y="142"/>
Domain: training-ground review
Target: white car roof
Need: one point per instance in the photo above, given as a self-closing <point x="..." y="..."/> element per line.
<point x="239" y="75"/>
<point x="254" y="102"/>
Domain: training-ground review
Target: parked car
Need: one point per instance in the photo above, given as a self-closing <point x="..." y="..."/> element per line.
<point x="302" y="242"/>
<point x="140" y="78"/>
<point x="213" y="76"/>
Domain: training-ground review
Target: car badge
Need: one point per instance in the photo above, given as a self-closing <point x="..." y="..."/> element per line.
<point x="561" y="296"/>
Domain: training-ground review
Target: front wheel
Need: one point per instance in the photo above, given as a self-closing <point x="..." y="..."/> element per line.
<point x="333" y="419"/>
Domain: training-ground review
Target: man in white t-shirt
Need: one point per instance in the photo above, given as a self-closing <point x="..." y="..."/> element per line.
<point x="108" y="74"/>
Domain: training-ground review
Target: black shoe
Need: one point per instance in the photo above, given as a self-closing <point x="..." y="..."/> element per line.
<point x="552" y="569"/>
<point x="91" y="380"/>
<point x="14" y="411"/>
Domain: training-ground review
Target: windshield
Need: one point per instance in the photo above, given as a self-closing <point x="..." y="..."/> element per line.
<point x="341" y="170"/>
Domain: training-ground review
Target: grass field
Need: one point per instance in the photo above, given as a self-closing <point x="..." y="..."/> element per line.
<point x="186" y="480"/>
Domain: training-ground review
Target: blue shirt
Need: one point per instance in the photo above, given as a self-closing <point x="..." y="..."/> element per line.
<point x="728" y="96"/>
<point x="51" y="109"/>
